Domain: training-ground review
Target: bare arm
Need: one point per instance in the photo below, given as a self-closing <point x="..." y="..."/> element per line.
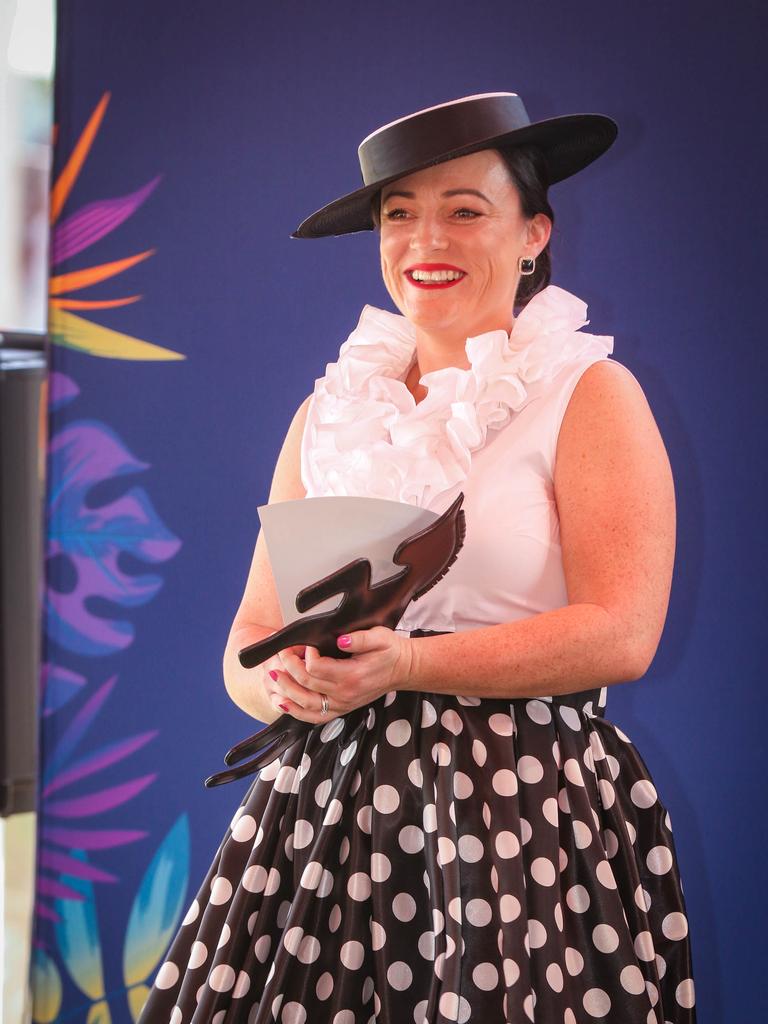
<point x="616" y="502"/>
<point x="259" y="612"/>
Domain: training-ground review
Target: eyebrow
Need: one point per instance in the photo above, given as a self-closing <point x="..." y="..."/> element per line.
<point x="450" y="192"/>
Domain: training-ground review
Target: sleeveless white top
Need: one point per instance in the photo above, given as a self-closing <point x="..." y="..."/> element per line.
<point x="489" y="431"/>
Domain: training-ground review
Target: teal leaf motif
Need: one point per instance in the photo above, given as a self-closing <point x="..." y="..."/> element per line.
<point x="77" y="935"/>
<point x="158" y="905"/>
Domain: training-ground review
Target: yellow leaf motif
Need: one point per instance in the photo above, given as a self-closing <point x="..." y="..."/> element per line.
<point x="137" y="996"/>
<point x="99" y="1013"/>
<point x="75" y="332"/>
<point x="46" y="988"/>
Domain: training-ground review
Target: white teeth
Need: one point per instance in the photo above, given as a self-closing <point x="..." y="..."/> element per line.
<point x="436" y="275"/>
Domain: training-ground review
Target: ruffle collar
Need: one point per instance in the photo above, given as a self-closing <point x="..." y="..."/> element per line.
<point x="366" y="436"/>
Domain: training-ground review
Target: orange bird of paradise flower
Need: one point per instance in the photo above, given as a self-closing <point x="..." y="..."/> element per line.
<point x="78" y="232"/>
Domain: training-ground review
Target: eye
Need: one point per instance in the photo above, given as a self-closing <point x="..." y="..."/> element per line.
<point x="463" y="213"/>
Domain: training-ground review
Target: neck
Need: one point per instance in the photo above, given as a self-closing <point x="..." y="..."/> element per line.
<point x="435" y="350"/>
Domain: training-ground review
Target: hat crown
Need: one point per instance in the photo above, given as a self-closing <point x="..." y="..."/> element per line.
<point x="436" y="132"/>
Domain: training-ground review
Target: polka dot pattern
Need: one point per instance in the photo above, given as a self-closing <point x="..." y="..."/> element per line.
<point x="384" y="849"/>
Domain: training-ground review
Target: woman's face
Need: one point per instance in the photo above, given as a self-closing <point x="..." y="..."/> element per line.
<point x="463" y="214"/>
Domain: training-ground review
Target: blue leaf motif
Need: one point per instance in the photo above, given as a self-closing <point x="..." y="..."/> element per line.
<point x="157" y="906"/>
<point x="91" y="539"/>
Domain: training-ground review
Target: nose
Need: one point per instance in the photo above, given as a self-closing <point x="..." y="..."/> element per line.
<point x="428" y="234"/>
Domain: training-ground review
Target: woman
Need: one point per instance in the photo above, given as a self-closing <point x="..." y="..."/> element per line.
<point x="464" y="836"/>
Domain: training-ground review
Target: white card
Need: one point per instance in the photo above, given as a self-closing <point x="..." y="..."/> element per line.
<point x="310" y="538"/>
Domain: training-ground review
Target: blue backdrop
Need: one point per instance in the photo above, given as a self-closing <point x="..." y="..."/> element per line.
<point x="191" y="139"/>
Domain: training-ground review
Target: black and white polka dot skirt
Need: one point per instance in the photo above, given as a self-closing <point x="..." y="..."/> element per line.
<point x="433" y="858"/>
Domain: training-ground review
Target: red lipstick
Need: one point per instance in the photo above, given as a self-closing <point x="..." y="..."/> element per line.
<point x="434" y="266"/>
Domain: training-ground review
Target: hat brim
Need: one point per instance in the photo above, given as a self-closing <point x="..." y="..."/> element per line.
<point x="568" y="144"/>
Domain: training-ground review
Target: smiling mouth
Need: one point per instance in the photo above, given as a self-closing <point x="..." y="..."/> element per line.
<point x="434" y="278"/>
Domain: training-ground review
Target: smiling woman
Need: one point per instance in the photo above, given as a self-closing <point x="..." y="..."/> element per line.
<point x="453" y="831"/>
<point x="469" y="208"/>
<point x="527" y="172"/>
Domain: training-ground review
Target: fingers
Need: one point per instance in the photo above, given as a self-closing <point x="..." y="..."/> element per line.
<point x="303" y="680"/>
<point x="300" y="701"/>
<point x="291" y="679"/>
<point x="365" y="640"/>
<point x="279" y="682"/>
<point x="313" y="717"/>
<point x="284" y="685"/>
<point x="317" y="673"/>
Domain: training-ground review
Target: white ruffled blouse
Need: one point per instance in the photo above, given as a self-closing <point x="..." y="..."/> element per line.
<point x="366" y="435"/>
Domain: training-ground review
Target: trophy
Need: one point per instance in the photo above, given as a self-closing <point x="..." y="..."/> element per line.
<point x="419" y="562"/>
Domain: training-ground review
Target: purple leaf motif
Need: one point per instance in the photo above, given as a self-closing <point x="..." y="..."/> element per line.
<point x="77" y="728"/>
<point x="101" y="758"/>
<point x="90" y="838"/>
<point x="60" y="771"/>
<point x="85" y="227"/>
<point x="58" y="686"/>
<point x="65" y="864"/>
<point x="83" y="454"/>
<point x="97" y="803"/>
<point x="61" y="390"/>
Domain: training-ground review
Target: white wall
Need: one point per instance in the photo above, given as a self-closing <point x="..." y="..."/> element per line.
<point x="26" y="69"/>
<point x="26" y="41"/>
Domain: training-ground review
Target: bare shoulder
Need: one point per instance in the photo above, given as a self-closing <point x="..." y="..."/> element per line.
<point x="608" y="410"/>
<point x="608" y="381"/>
<point x="286" y="481"/>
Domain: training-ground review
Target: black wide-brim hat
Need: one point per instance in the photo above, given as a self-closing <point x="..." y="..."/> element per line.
<point x="436" y="134"/>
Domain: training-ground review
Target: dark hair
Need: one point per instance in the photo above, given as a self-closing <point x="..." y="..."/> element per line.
<point x="528" y="173"/>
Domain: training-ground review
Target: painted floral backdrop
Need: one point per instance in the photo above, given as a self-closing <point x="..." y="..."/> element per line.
<point x="88" y="601"/>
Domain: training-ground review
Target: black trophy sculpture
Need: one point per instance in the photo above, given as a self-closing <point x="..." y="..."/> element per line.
<point x="425" y="558"/>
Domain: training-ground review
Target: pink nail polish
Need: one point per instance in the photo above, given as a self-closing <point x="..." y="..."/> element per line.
<point x="273" y="675"/>
<point x="283" y="706"/>
<point x="344" y="641"/>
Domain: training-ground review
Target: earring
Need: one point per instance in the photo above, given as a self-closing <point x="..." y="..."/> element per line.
<point x="526" y="265"/>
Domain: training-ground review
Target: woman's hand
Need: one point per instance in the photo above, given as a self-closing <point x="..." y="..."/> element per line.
<point x="381" y="661"/>
<point x="272" y="670"/>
